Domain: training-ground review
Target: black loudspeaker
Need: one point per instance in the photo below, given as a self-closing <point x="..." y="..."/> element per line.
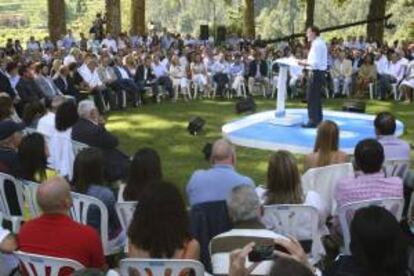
<point x="354" y="106"/>
<point x="207" y="149"/>
<point x="221" y="34"/>
<point x="246" y="105"/>
<point x="195" y="125"/>
<point x="204" y="32"/>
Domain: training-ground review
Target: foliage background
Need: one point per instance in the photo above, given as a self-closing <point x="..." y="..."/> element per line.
<point x="273" y="17"/>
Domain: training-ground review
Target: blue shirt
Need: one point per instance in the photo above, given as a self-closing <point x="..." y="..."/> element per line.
<point x="214" y="184"/>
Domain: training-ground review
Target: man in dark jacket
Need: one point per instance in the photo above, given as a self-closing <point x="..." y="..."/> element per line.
<point x="145" y="77"/>
<point x="90" y="130"/>
<point x="258" y="72"/>
<point x="27" y="88"/>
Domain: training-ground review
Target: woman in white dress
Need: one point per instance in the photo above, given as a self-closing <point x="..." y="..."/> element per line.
<point x="178" y="76"/>
<point x="199" y="73"/>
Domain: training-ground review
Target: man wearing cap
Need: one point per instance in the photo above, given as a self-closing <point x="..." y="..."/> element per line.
<point x="10" y="137"/>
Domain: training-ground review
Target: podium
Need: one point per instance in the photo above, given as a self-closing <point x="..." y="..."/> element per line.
<point x="281" y="117"/>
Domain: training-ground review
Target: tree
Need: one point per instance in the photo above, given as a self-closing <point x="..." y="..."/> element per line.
<point x="375" y="30"/>
<point x="249" y="28"/>
<point x="310" y="12"/>
<point x="56" y="19"/>
<point x="113" y="16"/>
<point x="138" y="17"/>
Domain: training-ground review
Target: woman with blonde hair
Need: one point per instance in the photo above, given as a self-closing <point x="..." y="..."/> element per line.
<point x="326" y="151"/>
<point x="56" y="64"/>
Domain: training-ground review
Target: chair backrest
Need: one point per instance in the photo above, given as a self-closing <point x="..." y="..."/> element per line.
<point x="6" y="209"/>
<point x="323" y="180"/>
<point x="38" y="265"/>
<point x="30" y="190"/>
<point x="125" y="211"/>
<point x="61" y="153"/>
<point x="78" y="147"/>
<point x="79" y="213"/>
<point x="300" y="221"/>
<point x="159" y="267"/>
<point x="346" y="213"/>
<point x="395" y="167"/>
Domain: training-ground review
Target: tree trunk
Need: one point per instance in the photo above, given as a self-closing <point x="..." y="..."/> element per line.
<point x="310" y="12"/>
<point x="138" y="17"/>
<point x="375" y="30"/>
<point x="249" y="24"/>
<point x="113" y="16"/>
<point x="56" y="19"/>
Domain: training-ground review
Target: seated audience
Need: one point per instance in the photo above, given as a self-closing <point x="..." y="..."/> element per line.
<point x="90" y="130"/>
<point x="367" y="74"/>
<point x="371" y="183"/>
<point x="8" y="244"/>
<point x="46" y="124"/>
<point x="10" y="138"/>
<point x="220" y="70"/>
<point x="342" y="74"/>
<point x="378" y="246"/>
<point x="145" y="167"/>
<point x="145" y="77"/>
<point x="45" y="82"/>
<point x="258" y="71"/>
<point x="88" y="179"/>
<point x="162" y="77"/>
<point x="326" y="151"/>
<point x="27" y="88"/>
<point x="167" y="228"/>
<point x="33" y="153"/>
<point x="32" y="113"/>
<point x="394" y="148"/>
<point x="55" y="234"/>
<point x="216" y="183"/>
<point x="237" y="72"/>
<point x="199" y="73"/>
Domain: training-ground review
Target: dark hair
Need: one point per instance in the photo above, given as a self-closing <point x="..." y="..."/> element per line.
<point x="145" y="167"/>
<point x="163" y="212"/>
<point x="32" y="157"/>
<point x="315" y="30"/>
<point x="23" y="69"/>
<point x="377" y="242"/>
<point x="369" y="156"/>
<point x="32" y="112"/>
<point x="11" y="66"/>
<point x="288" y="267"/>
<point x="6" y="105"/>
<point x="385" y="123"/>
<point x="88" y="169"/>
<point x="66" y="115"/>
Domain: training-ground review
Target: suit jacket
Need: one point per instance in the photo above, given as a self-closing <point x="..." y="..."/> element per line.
<point x="139" y="75"/>
<point x="49" y="89"/>
<point x="253" y="68"/>
<point x="5" y="85"/>
<point x="28" y="91"/>
<point x="116" y="163"/>
<point x="345" y="71"/>
<point x="62" y="85"/>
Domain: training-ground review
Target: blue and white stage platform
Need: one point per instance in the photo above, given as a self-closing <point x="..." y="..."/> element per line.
<point x="260" y="131"/>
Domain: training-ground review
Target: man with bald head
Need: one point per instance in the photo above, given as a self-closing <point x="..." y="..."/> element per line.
<point x="216" y="183"/>
<point x="55" y="234"/>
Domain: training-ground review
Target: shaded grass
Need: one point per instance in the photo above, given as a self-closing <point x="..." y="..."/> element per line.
<point x="163" y="127"/>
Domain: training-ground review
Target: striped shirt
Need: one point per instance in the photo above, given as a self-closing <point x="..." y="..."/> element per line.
<point x="367" y="186"/>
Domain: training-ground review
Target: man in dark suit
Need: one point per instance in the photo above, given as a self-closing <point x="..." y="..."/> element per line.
<point x="90" y="130"/>
<point x="258" y="72"/>
<point x="145" y="77"/>
<point x="27" y="88"/>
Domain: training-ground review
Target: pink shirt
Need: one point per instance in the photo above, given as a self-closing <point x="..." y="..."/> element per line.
<point x="367" y="186"/>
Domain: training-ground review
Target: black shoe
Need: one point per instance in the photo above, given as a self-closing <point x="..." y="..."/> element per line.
<point x="309" y="125"/>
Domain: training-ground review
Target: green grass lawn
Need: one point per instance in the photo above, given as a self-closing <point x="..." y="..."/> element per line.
<point x="163" y="127"/>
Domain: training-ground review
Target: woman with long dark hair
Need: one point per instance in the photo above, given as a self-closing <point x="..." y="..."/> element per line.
<point x="166" y="232"/>
<point x="88" y="179"/>
<point x="145" y="167"/>
<point x="326" y="151"/>
<point x="33" y="153"/>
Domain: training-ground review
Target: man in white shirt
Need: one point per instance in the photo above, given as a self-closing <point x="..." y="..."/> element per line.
<point x="342" y="73"/>
<point x="318" y="61"/>
<point x="110" y="44"/>
<point x="221" y="69"/>
<point x="161" y="73"/>
<point x="89" y="73"/>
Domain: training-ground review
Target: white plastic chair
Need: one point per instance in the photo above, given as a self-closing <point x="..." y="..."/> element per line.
<point x="346" y="213"/>
<point x="396" y="167"/>
<point x="323" y="180"/>
<point x="30" y="190"/>
<point x="79" y="213"/>
<point x="159" y="266"/>
<point x="37" y="265"/>
<point x="5" y="212"/>
<point x="125" y="211"/>
<point x="78" y="147"/>
<point x="297" y="220"/>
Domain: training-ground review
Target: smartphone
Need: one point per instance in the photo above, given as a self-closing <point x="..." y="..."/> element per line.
<point x="261" y="253"/>
<point x="306" y="245"/>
